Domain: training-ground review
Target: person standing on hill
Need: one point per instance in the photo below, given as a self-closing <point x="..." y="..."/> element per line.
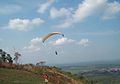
<point x="45" y="76"/>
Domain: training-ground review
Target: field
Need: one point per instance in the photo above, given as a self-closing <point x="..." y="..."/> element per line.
<point x="96" y="74"/>
<point x="104" y="79"/>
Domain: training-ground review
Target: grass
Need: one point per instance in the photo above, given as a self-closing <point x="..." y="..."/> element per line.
<point x="12" y="76"/>
<point x="105" y="79"/>
<point x="30" y="74"/>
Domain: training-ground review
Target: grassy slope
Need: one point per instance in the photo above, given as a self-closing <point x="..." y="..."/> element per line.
<point x="12" y="76"/>
<point x="30" y="74"/>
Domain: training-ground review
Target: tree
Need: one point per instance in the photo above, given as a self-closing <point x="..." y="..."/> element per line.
<point x="17" y="55"/>
<point x="1" y="51"/>
<point x="1" y="55"/>
<point x="9" y="58"/>
<point x="41" y="63"/>
<point x="4" y="56"/>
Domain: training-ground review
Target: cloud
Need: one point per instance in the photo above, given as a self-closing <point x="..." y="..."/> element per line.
<point x="9" y="9"/>
<point x="90" y="8"/>
<point x="84" y="42"/>
<point x="36" y="41"/>
<point x="111" y="10"/>
<point x="54" y="13"/>
<point x="43" y="7"/>
<point x="32" y="48"/>
<point x="61" y="41"/>
<point x="85" y="9"/>
<point x="24" y="24"/>
<point x="34" y="45"/>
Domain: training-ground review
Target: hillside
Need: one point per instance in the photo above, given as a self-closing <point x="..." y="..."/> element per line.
<point x="13" y="76"/>
<point x="30" y="74"/>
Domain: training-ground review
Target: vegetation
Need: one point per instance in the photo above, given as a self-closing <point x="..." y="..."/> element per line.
<point x="31" y="74"/>
<point x="13" y="76"/>
<point x="5" y="57"/>
<point x="104" y="79"/>
<point x="97" y="74"/>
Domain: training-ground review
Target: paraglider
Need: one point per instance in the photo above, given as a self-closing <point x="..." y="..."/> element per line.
<point x="51" y="34"/>
<point x="56" y="52"/>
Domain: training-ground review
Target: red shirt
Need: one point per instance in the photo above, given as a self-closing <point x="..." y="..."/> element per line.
<point x="45" y="76"/>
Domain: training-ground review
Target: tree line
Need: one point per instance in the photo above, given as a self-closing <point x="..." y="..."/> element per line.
<point x="5" y="57"/>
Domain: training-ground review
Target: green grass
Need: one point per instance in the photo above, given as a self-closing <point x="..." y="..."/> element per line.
<point x="105" y="79"/>
<point x="12" y="76"/>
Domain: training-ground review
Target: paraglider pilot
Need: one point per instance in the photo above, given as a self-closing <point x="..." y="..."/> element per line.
<point x="56" y="52"/>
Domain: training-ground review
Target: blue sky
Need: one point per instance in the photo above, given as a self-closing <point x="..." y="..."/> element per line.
<point x="91" y="29"/>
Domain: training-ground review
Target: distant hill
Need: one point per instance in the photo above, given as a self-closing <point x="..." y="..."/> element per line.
<point x="101" y="72"/>
<point x="30" y="74"/>
<point x="96" y="63"/>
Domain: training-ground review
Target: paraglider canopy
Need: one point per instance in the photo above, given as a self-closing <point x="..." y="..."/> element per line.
<point x="50" y="34"/>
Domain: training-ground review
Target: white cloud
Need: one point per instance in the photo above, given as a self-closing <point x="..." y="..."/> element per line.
<point x="34" y="45"/>
<point x="24" y="24"/>
<point x="62" y="41"/>
<point x="8" y="9"/>
<point x="85" y="9"/>
<point x="32" y="48"/>
<point x="111" y="10"/>
<point x="36" y="40"/>
<point x="84" y="42"/>
<point x="90" y="8"/>
<point x="54" y="13"/>
<point x="43" y="7"/>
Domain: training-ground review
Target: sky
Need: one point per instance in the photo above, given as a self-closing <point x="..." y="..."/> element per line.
<point x="91" y="29"/>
